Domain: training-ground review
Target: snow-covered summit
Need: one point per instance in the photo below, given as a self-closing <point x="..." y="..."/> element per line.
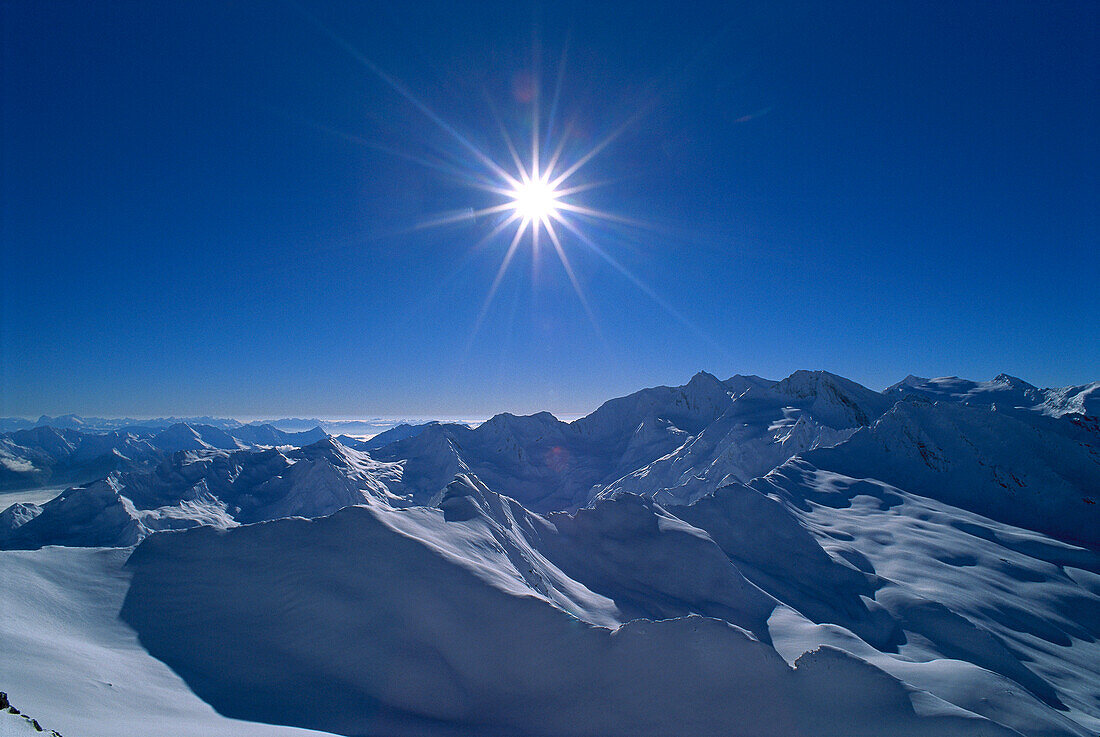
<point x="47" y="455"/>
<point x="690" y="407"/>
<point x="739" y="384"/>
<point x="760" y="428"/>
<point x="182" y="436"/>
<point x="671" y="444"/>
<point x="1004" y="390"/>
<point x="833" y="399"/>
<point x="205" y="487"/>
<point x="741" y="557"/>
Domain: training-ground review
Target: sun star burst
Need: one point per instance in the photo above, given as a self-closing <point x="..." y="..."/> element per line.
<point x="540" y="198"/>
<point x="535" y="199"/>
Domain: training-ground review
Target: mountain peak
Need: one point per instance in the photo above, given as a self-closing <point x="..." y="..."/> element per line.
<point x="833" y="399"/>
<point x="507" y="425"/>
<point x="178" y="428"/>
<point x="62" y="421"/>
<point x="805" y="382"/>
<point x="910" y="381"/>
<point x="704" y="376"/>
<point x="328" y="449"/>
<point x="327" y="444"/>
<point x="1012" y="381"/>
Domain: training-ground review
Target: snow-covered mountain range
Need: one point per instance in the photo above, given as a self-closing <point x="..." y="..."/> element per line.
<point x="50" y="456"/>
<point x="739" y="557"/>
<point x="101" y="425"/>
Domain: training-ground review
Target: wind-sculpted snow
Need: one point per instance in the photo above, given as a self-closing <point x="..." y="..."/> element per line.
<point x="371" y="624"/>
<point x="1030" y="471"/>
<point x="70" y="661"/>
<point x="481" y="617"/>
<point x="1014" y="603"/>
<point x="740" y="557"/>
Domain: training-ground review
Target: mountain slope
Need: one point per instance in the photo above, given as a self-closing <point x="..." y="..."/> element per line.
<point x="213" y="488"/>
<point x="49" y="456"/>
<point x="1004" y="390"/>
<point x="71" y="662"/>
<point x="802" y="557"/>
<point x="1039" y="474"/>
<point x="766" y="424"/>
<point x="450" y="650"/>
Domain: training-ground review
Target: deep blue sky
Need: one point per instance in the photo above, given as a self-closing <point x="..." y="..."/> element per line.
<point x="871" y="188"/>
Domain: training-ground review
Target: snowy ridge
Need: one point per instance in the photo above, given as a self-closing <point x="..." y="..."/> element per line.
<point x="640" y="677"/>
<point x="747" y="557"/>
<point x="766" y="425"/>
<point x="14" y="722"/>
<point x="751" y="580"/>
<point x="48" y="455"/>
<point x="1007" y="391"/>
<point x="1029" y="471"/>
<point x="219" y="489"/>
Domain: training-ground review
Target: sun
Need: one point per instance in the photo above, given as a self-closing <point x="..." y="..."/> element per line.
<point x="535" y="199"/>
<point x="538" y="196"/>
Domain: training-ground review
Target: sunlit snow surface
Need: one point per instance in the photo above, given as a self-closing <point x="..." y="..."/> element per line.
<point x="747" y="557"/>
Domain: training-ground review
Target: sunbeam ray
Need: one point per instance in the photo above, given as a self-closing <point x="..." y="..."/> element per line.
<point x="462" y="216"/>
<point x="556" y="242"/>
<point x="602" y="215"/>
<point x="535" y="195"/>
<point x="535" y="239"/>
<point x="550" y="118"/>
<point x="497" y="279"/>
<point x="552" y="164"/>
<point x="607" y="141"/>
<point x="402" y="90"/>
<point x="582" y="188"/>
<point x="636" y="281"/>
<point x="500" y="228"/>
<point x="504" y="133"/>
<point x="536" y="84"/>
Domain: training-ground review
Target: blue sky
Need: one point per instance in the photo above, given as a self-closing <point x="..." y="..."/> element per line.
<point x="209" y="207"/>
